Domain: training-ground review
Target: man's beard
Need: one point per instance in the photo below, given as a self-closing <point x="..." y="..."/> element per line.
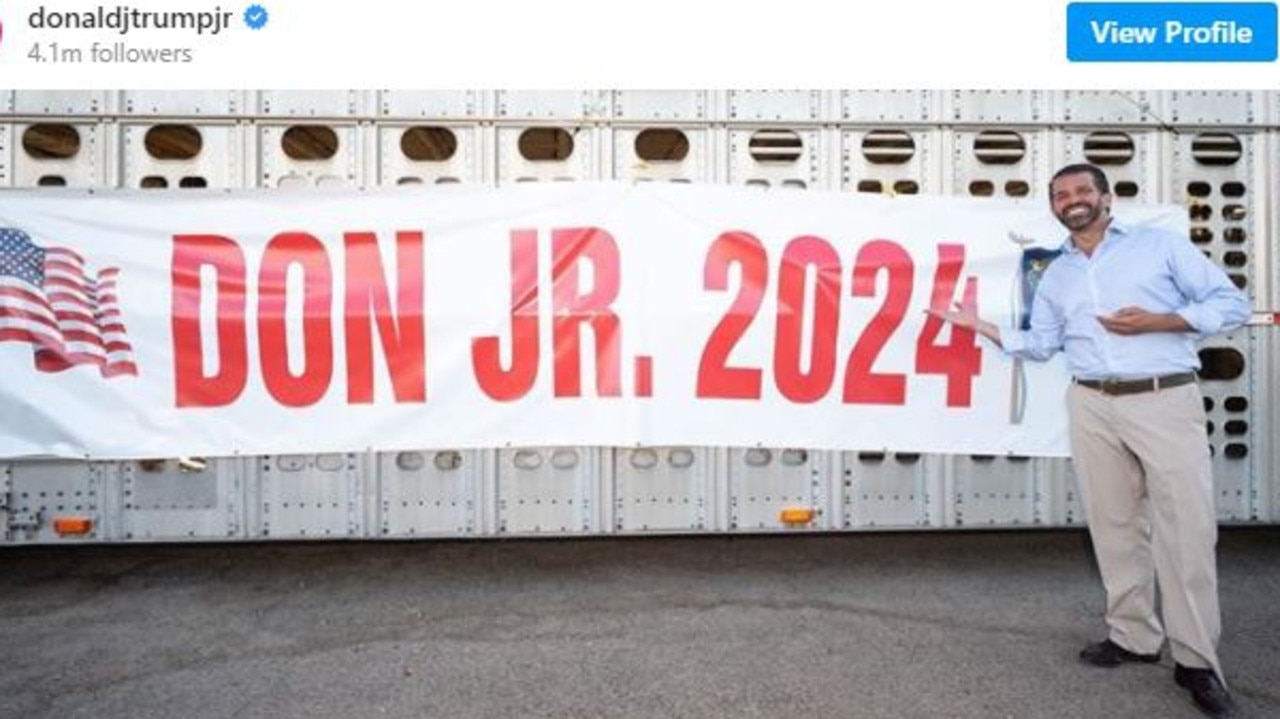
<point x="1079" y="221"/>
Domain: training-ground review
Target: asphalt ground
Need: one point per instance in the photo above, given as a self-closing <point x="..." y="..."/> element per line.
<point x="972" y="624"/>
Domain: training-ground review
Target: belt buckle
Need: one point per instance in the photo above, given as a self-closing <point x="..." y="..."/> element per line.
<point x="1110" y="385"/>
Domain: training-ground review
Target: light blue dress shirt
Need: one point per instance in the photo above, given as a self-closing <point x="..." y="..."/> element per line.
<point x="1154" y="269"/>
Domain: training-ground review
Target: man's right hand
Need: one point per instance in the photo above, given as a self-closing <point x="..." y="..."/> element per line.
<point x="965" y="317"/>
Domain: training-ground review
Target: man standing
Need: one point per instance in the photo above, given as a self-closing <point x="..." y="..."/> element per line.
<point x="1126" y="305"/>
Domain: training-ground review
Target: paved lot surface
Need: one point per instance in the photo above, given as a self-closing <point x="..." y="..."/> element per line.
<point x="884" y="625"/>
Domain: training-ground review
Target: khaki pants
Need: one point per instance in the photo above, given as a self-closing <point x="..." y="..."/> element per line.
<point x="1143" y="465"/>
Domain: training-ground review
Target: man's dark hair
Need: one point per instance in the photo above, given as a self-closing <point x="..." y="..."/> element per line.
<point x="1099" y="177"/>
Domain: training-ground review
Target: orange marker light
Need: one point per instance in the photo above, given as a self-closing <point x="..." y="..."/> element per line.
<point x="73" y="525"/>
<point x="796" y="515"/>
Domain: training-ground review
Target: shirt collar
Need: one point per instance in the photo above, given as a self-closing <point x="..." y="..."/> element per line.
<point x="1114" y="228"/>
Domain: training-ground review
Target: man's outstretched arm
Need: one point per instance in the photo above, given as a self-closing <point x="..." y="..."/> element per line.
<point x="968" y="319"/>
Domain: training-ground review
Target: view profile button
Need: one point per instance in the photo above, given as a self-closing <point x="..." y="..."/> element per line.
<point x="1171" y="32"/>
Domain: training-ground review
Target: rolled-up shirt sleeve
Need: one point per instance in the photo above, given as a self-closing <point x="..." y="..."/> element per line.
<point x="1214" y="304"/>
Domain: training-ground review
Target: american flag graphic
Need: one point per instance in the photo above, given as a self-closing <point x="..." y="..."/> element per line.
<point x="49" y="300"/>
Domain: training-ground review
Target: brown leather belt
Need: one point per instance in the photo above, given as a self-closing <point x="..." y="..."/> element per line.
<point x="1137" y="386"/>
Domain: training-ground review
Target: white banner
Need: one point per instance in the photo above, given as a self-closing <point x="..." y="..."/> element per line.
<point x="261" y="322"/>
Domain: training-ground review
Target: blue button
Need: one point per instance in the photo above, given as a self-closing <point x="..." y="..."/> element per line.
<point x="1171" y="32"/>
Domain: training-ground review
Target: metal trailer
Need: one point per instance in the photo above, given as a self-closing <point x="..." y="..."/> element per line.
<point x="1217" y="152"/>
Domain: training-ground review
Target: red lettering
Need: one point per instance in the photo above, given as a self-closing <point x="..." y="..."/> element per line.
<point x="501" y="384"/>
<point x="644" y="376"/>
<point x="572" y="308"/>
<point x="193" y="387"/>
<point x="861" y="385"/>
<point x="282" y="251"/>
<point x="960" y="359"/>
<point x="715" y="377"/>
<point x="793" y="382"/>
<point x="402" y="333"/>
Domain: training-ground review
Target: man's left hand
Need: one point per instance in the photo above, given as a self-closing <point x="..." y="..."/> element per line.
<point x="1136" y="321"/>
